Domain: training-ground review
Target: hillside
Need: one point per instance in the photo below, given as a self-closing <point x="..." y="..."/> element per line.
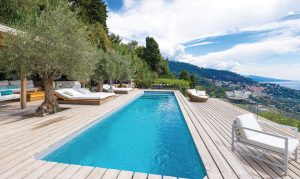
<point x="265" y="79"/>
<point x="222" y="75"/>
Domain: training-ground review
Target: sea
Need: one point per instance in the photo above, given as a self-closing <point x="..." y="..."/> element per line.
<point x="290" y="84"/>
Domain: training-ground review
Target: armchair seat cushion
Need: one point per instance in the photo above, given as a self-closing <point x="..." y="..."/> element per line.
<point x="271" y="143"/>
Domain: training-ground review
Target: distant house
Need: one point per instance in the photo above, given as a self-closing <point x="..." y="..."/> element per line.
<point x="238" y="96"/>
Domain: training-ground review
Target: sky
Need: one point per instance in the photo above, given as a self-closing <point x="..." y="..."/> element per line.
<point x="249" y="37"/>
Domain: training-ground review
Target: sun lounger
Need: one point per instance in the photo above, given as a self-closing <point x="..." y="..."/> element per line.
<point x="197" y="96"/>
<point x="107" y="87"/>
<point x="248" y="131"/>
<point x="74" y="96"/>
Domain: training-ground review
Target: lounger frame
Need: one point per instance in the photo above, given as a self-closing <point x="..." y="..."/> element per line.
<point x="235" y="139"/>
<point x="63" y="100"/>
<point x="116" y="91"/>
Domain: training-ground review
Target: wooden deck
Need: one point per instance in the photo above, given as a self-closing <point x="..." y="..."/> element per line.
<point x="209" y="124"/>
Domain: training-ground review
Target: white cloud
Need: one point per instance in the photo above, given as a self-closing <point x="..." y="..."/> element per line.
<point x="198" y="44"/>
<point x="247" y="58"/>
<point x="174" y="22"/>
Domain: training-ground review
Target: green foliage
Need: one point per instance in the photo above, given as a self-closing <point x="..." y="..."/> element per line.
<point x="102" y="69"/>
<point x="144" y="77"/>
<point x="210" y="88"/>
<point x="146" y="80"/>
<point x="115" y="39"/>
<point x="182" y="85"/>
<point x="278" y="118"/>
<point x="200" y="88"/>
<point x="152" y="54"/>
<point x="15" y="11"/>
<point x="193" y="80"/>
<point x="184" y="75"/>
<point x="91" y="11"/>
<point x="123" y="67"/>
<point x="98" y="36"/>
<point x="52" y="44"/>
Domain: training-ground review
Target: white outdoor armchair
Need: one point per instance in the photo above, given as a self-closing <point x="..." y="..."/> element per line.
<point x="248" y="131"/>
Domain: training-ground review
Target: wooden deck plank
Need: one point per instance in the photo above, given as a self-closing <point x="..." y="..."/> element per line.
<point x="96" y="173"/>
<point x="68" y="172"/>
<point x="41" y="170"/>
<point x="28" y="169"/>
<point x="169" y="177"/>
<point x="54" y="171"/>
<point x="138" y="175"/>
<point x="152" y="176"/>
<point x="111" y="174"/>
<point x="125" y="175"/>
<point x="83" y="172"/>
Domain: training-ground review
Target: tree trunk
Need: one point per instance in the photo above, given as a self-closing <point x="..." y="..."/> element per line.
<point x="111" y="86"/>
<point x="100" y="86"/>
<point x="121" y="84"/>
<point x="50" y="105"/>
<point x="23" y="99"/>
<point x="83" y="84"/>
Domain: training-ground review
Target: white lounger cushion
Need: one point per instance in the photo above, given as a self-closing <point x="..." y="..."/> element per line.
<point x="84" y="90"/>
<point x="73" y="94"/>
<point x="107" y="87"/>
<point x="272" y="143"/>
<point x="201" y="93"/>
<point x="193" y="92"/>
<point x="122" y="89"/>
<point x="248" y="121"/>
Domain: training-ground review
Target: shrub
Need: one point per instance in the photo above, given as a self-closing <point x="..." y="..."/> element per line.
<point x="147" y="83"/>
<point x="280" y="119"/>
<point x="200" y="88"/>
<point x="181" y="85"/>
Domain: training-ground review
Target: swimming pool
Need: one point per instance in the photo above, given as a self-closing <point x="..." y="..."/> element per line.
<point x="148" y="135"/>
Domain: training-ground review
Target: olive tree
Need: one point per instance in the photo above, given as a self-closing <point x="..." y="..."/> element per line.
<point x="50" y="45"/>
<point x="104" y="69"/>
<point x="124" y="67"/>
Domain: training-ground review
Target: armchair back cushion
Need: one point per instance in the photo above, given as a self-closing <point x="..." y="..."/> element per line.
<point x="4" y="83"/>
<point x="248" y="121"/>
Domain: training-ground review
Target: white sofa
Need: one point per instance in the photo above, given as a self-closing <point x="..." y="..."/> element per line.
<point x="15" y="85"/>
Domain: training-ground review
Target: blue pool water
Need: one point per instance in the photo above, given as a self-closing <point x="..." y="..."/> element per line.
<point x="148" y="135"/>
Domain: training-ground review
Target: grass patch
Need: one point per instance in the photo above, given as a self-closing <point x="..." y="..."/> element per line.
<point x="280" y="119"/>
